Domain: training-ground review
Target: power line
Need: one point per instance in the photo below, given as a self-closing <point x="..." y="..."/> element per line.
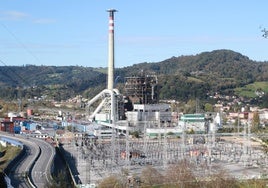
<point x="20" y="77"/>
<point x="21" y="43"/>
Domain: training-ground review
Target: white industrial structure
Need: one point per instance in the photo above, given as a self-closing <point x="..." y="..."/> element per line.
<point x="141" y="90"/>
<point x="110" y="107"/>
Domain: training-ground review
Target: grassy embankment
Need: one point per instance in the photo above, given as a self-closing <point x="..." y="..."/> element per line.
<point x="7" y="154"/>
<point x="249" y="90"/>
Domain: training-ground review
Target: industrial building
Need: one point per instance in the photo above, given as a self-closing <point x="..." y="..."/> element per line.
<point x="142" y="89"/>
<point x="193" y="123"/>
<point x="170" y="132"/>
<point x="139" y="103"/>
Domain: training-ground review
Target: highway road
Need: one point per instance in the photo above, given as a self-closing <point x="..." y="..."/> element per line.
<point x="35" y="163"/>
<point x="18" y="173"/>
<point x="41" y="172"/>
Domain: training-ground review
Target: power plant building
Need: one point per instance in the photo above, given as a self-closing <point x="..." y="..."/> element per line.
<point x="139" y="104"/>
<point x="193" y="122"/>
<point x="142" y="91"/>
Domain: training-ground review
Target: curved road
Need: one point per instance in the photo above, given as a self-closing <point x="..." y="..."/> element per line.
<point x="18" y="173"/>
<point x="41" y="172"/>
<point x="38" y="153"/>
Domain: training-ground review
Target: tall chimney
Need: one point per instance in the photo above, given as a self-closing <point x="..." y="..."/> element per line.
<point x="111" y="50"/>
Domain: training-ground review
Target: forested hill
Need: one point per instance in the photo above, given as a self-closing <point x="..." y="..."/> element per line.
<point x="221" y="63"/>
<point x="180" y="77"/>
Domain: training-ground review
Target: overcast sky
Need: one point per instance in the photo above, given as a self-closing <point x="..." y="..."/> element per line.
<point x="75" y="32"/>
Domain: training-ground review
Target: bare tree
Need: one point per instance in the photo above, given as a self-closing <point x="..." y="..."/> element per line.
<point x="150" y="176"/>
<point x="181" y="175"/>
<point x="110" y="182"/>
<point x="116" y="180"/>
<point x="221" y="179"/>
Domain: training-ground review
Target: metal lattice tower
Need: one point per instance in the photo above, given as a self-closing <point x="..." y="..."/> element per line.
<point x="165" y="150"/>
<point x="183" y="144"/>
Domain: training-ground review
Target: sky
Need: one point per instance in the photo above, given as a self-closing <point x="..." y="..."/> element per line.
<point x="75" y="32"/>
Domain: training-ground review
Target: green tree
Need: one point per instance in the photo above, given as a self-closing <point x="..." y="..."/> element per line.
<point x="265" y="101"/>
<point x="208" y="107"/>
<point x="255" y="121"/>
<point x="190" y="107"/>
<point x="136" y="134"/>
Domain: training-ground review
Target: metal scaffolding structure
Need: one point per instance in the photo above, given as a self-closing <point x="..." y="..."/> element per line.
<point x="142" y="89"/>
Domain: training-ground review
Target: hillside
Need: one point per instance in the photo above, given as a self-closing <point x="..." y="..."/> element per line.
<point x="181" y="78"/>
<point x="186" y="77"/>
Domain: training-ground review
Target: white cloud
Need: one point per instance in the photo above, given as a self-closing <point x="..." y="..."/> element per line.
<point x="13" y="15"/>
<point x="44" y="21"/>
